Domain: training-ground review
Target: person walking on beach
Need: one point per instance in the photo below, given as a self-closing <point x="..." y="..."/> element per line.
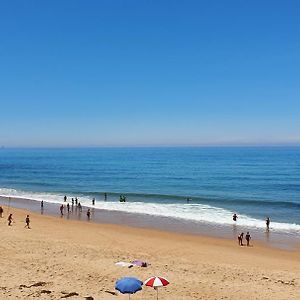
<point x="248" y="238"/>
<point x="234" y="217"/>
<point x="61" y="210"/>
<point x="1" y="212"/>
<point x="268" y="223"/>
<point x="65" y="198"/>
<point x="68" y="207"/>
<point x="10" y="219"/>
<point x="240" y="239"/>
<point x="93" y="201"/>
<point x="27" y="221"/>
<point x="88" y="213"/>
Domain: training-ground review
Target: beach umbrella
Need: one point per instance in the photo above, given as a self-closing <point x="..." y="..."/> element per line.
<point x="128" y="285"/>
<point x="156" y="282"/>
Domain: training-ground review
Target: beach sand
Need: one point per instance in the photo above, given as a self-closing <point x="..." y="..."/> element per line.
<point x="58" y="257"/>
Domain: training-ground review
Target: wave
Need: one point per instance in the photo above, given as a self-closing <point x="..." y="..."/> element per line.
<point x="195" y="212"/>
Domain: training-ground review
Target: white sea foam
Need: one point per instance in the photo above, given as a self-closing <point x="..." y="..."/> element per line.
<point x="188" y="212"/>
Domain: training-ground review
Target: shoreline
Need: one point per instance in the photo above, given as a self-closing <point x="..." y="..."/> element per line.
<point x="135" y="220"/>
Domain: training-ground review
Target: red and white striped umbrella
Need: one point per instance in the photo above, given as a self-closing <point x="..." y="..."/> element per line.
<point x="156" y="282"/>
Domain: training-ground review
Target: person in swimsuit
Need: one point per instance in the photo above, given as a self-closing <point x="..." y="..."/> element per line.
<point x="268" y="223"/>
<point x="1" y="212"/>
<point x="10" y="219"/>
<point x="234" y="217"/>
<point x="27" y="221"/>
<point x="88" y="213"/>
<point x="240" y="239"/>
<point x="61" y="210"/>
<point x="248" y="238"/>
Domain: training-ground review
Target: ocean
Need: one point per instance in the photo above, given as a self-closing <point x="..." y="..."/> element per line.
<point x="254" y="182"/>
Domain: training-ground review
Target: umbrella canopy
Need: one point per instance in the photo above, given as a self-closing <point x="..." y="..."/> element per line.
<point x="128" y="285"/>
<point x="156" y="282"/>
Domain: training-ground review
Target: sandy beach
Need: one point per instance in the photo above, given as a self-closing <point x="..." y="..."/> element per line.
<point x="59" y="258"/>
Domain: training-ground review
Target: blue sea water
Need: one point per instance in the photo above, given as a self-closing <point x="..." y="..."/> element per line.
<point x="252" y="182"/>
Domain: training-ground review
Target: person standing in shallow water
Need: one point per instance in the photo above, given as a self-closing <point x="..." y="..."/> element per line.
<point x="93" y="201"/>
<point x="10" y="219"/>
<point x="65" y="198"/>
<point x="268" y="223"/>
<point x="88" y="213"/>
<point x="105" y="196"/>
<point x="234" y="217"/>
<point x="68" y="207"/>
<point x="248" y="238"/>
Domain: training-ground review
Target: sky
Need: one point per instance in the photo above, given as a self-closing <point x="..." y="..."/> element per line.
<point x="149" y="73"/>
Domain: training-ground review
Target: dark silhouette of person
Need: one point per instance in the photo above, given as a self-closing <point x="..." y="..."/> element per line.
<point x="27" y="221"/>
<point x="42" y="204"/>
<point x="248" y="238"/>
<point x="1" y="212"/>
<point x="268" y="223"/>
<point x="61" y="210"/>
<point x="93" y="201"/>
<point x="234" y="217"/>
<point x="88" y="213"/>
<point x="68" y="207"/>
<point x="80" y="207"/>
<point x="76" y="201"/>
<point x="105" y="196"/>
<point x="10" y="219"/>
<point x="240" y="239"/>
<point x="72" y="201"/>
<point x="65" y="198"/>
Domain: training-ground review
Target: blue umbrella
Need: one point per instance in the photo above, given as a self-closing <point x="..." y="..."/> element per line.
<point x="128" y="285"/>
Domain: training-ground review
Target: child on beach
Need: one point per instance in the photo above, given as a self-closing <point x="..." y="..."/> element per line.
<point x="248" y="238"/>
<point x="27" y="221"/>
<point x="10" y="219"/>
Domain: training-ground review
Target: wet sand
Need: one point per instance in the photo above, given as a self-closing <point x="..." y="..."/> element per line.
<point x="269" y="238"/>
<point x="60" y="257"/>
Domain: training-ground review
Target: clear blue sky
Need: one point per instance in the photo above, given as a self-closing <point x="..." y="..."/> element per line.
<point x="93" y="73"/>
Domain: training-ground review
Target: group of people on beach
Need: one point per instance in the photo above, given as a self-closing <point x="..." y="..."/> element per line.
<point x="10" y="218"/>
<point x="74" y="202"/>
<point x="248" y="236"/>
